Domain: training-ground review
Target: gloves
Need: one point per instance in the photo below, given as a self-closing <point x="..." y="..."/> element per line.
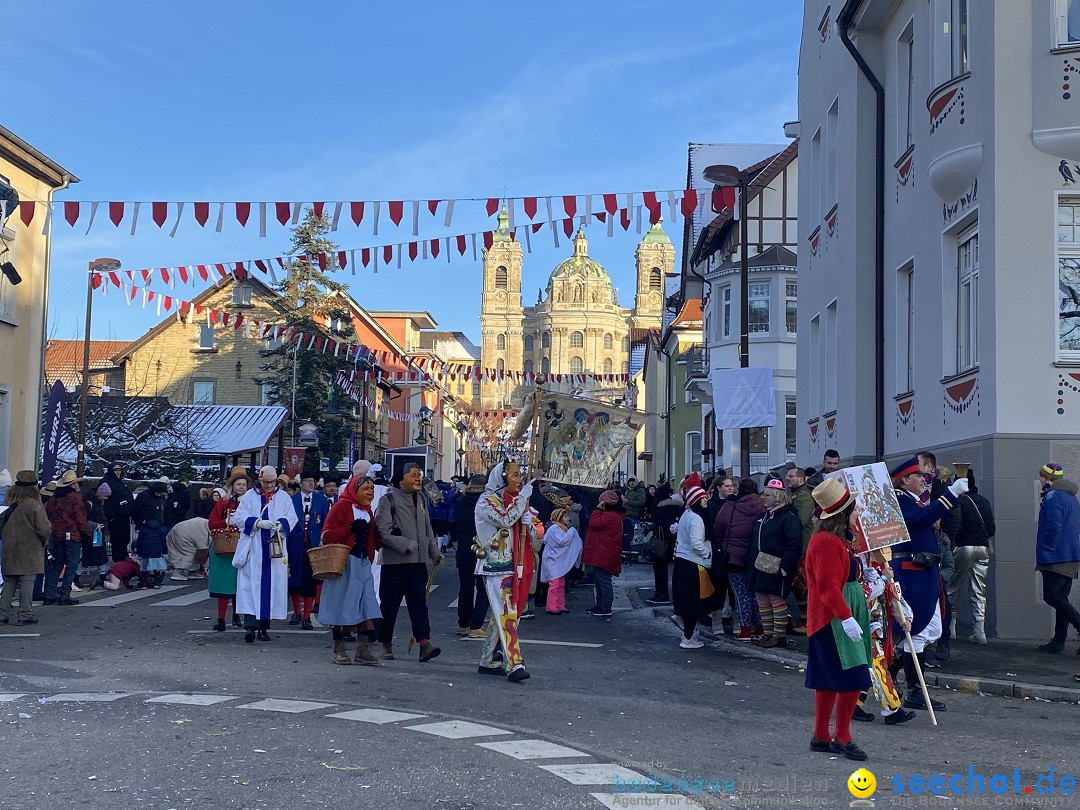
<point x="526" y="491"/>
<point x="851" y="627"/>
<point x="959" y="487"/>
<point x="360" y="526"/>
<point x="269" y="525"/>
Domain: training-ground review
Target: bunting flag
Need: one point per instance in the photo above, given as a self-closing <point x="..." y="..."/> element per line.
<point x="286" y="212"/>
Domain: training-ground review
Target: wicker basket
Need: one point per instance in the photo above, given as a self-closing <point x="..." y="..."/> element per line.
<point x="225" y="540"/>
<point x="328" y="560"/>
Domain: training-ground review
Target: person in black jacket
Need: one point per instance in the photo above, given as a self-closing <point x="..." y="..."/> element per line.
<point x="472" y="599"/>
<point x="665" y="515"/>
<point x="177" y="505"/>
<point x="150" y="504"/>
<point x="772" y="561"/>
<point x="118" y="510"/>
<point x="970" y="526"/>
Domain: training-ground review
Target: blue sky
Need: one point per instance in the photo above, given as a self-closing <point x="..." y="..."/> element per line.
<point x="344" y="101"/>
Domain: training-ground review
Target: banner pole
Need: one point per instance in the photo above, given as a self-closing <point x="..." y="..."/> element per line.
<point x="533" y="429"/>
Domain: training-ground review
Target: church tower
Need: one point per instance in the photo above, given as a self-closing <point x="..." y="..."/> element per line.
<point x="655" y="258"/>
<point x="501" y="314"/>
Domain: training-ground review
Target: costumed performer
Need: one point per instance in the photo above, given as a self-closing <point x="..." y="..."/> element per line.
<point x="311" y="508"/>
<point x="222" y="584"/>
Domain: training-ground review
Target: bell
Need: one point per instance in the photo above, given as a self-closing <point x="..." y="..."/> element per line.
<point x="276" y="551"/>
<point x="479" y="551"/>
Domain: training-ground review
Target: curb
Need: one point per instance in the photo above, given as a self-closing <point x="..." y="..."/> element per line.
<point x="959" y="683"/>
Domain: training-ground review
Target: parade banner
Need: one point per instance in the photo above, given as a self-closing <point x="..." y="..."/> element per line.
<point x="294" y="461"/>
<point x="880" y="522"/>
<point x="580" y="442"/>
<point x="54" y="423"/>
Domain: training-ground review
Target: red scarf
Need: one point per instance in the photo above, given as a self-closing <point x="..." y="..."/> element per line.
<point x="523" y="559"/>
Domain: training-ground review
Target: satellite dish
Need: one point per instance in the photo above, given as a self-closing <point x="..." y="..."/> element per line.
<point x="9" y="198"/>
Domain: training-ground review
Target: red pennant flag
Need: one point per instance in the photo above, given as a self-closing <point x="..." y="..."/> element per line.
<point x="184" y="305"/>
<point x="432" y="205"/>
<point x="388" y="254"/>
<point x="243" y="211"/>
<point x="164" y="271"/>
<point x="397" y="209"/>
<point x="71" y="212"/>
<point x="199" y="309"/>
<point x="183" y="274"/>
<point x="434" y="248"/>
<point x="168" y="303"/>
<point x="282" y="210"/>
<point x="261" y="265"/>
<point x="115" y="279"/>
<point x="202" y="271"/>
<point x="134" y="292"/>
<point x="95" y="280"/>
<point x="649" y="199"/>
<point x="145" y="276"/>
<point x="413" y="248"/>
<point x="537" y="226"/>
<point x="318" y="207"/>
<point x="461" y="244"/>
<point x="221" y="270"/>
<point x="342" y="259"/>
<point x="149" y="296"/>
<point x="689" y="202"/>
<point x="158" y="212"/>
<point x="492" y="205"/>
<point x="356" y="210"/>
<point x="116" y="213"/>
<point x="239" y="320"/>
<point x="624" y="218"/>
<point x="569" y="203"/>
<point x="240" y="271"/>
<point x="225" y="318"/>
<point x="529" y="204"/>
<point x="568" y="226"/>
<point x="365" y="254"/>
<point x="321" y="257"/>
<point x="611" y="205"/>
<point x="489" y="239"/>
<point x="202" y="212"/>
<point x="26" y="211"/>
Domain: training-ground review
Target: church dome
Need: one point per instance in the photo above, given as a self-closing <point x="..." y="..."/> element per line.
<point x="580" y="264"/>
<point x="656" y="235"/>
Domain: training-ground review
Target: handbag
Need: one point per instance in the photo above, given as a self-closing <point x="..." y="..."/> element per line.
<point x="201" y="556"/>
<point x="98" y="540"/>
<point x="767" y="563"/>
<point x="655" y="549"/>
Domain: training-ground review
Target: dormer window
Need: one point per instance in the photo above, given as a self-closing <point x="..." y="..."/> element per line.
<point x="241" y="295"/>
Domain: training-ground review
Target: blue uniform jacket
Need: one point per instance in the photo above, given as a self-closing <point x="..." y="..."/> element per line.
<point x="1058" y="540"/>
<point x="921" y="587"/>
<point x="320" y="508"/>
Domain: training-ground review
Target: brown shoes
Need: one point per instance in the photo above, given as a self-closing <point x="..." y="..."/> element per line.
<point x="365" y="656"/>
<point x="340" y="655"/>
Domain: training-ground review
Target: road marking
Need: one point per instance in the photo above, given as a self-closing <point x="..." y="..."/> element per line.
<point x="591" y="773"/>
<point x="20" y="635"/>
<point x="434" y="588"/>
<point x="458" y="729"/>
<point x="542" y="641"/>
<point x="531" y="749"/>
<point x="191" y="700"/>
<point x="668" y="800"/>
<point x="453" y="604"/>
<point x="10" y="698"/>
<point x="86" y="697"/>
<point x="378" y="716"/>
<point x="235" y="630"/>
<point x="185" y="600"/>
<point x="286" y="706"/>
<point x="119" y="599"/>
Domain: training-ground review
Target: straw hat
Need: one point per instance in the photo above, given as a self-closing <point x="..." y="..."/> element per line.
<point x="24" y="478"/>
<point x="68" y="478"/>
<point x="237" y="472"/>
<point x="832" y="496"/>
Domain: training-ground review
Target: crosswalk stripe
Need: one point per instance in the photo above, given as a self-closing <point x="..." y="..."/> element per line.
<point x="286" y="706"/>
<point x="591" y="773"/>
<point x="458" y="729"/>
<point x="121" y="598"/>
<point x="10" y="698"/>
<point x="185" y="600"/>
<point x="20" y="635"/>
<point x="453" y="604"/>
<point x="531" y="749"/>
<point x="191" y="700"/>
<point x="589" y="646"/>
<point x="434" y="588"/>
<point x="86" y="697"/>
<point x="378" y="716"/>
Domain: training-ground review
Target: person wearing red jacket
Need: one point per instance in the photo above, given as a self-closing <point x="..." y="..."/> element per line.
<point x="837" y="623"/>
<point x="603" y="549"/>
<point x="350" y="602"/>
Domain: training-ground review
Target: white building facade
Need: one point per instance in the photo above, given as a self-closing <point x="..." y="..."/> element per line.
<point x="940" y="309"/>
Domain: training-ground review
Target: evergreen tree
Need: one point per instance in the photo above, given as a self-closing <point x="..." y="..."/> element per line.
<point x="302" y="378"/>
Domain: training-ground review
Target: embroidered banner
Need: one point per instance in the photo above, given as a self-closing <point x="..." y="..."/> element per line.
<point x="581" y="442"/>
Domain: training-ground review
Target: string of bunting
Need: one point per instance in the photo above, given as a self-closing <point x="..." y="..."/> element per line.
<point x="355" y="351"/>
<point x="386" y="256"/>
<point x="356" y="394"/>
<point x="358" y="212"/>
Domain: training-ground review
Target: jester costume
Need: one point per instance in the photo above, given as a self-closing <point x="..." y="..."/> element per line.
<point x="506" y="532"/>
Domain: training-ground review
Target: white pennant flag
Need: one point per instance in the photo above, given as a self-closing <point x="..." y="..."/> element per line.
<point x="611" y="224"/>
<point x="48" y="220"/>
<point x="93" y="213"/>
<point x="262" y="219"/>
<point x="179" y="213"/>
<point x="415" y="220"/>
<point x="550" y="218"/>
<point x="337" y="216"/>
<point x="510" y="213"/>
<point x="673" y="206"/>
<point x="297" y="207"/>
<point x="376" y="207"/>
<point x="449" y="213"/>
<point x="220" y="217"/>
<point x="474" y="246"/>
<point x="135" y="217"/>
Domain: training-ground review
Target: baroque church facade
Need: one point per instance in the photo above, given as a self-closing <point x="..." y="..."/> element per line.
<point x="577" y="325"/>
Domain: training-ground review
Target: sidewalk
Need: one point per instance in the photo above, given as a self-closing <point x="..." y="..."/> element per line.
<point x="1003" y="668"/>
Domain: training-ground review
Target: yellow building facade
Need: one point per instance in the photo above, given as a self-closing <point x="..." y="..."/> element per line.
<point x="577" y="325"/>
<point x="33" y="177"/>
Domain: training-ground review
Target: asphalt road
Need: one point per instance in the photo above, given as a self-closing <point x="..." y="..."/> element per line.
<point x="618" y="696"/>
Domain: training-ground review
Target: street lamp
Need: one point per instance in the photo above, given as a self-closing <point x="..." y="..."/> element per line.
<point x="425" y="421"/>
<point x="96" y="266"/>
<point x="728" y="175"/>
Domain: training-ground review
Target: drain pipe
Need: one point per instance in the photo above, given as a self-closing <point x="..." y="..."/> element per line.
<point x="843" y="24"/>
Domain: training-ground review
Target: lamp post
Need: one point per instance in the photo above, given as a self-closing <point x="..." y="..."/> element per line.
<point x="727" y="175"/>
<point x="96" y="266"/>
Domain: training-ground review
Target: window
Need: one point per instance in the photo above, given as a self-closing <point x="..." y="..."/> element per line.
<point x="528" y="367"/>
<point x="273" y="343"/>
<point x="545" y="340"/>
<point x="725" y="312"/>
<point x="577" y="340"/>
<point x="950" y="55"/>
<point x="693" y="450"/>
<point x="476" y="389"/>
<point x="816" y="186"/>
<point x="1068" y="22"/>
<point x="626" y="345"/>
<point x="267" y="391"/>
<point x="1068" y="233"/>
<point x="206" y="336"/>
<point x="500" y="343"/>
<point x="791" y="306"/>
<point x="759" y="440"/>
<point x="656" y="279"/>
<point x="241" y="295"/>
<point x="967" y="300"/>
<point x="577" y="366"/>
<point x="607" y="366"/>
<point x="501" y="278"/>
<point x="814" y="398"/>
<point x="609" y="341"/>
<point x="829" y="352"/>
<point x="833" y="142"/>
<point x="202" y="392"/>
<point x="905" y="97"/>
<point x="529" y="343"/>
<point x="500" y="365"/>
<point x="790" y="426"/>
<point x="905" y="329"/>
<point x="759" y="307"/>
<point x="461" y="389"/>
<point x="545" y="365"/>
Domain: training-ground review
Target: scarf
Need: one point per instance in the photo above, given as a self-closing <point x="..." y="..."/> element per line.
<point x="523" y="560"/>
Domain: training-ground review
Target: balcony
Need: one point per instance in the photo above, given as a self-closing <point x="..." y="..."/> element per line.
<point x="696" y="359"/>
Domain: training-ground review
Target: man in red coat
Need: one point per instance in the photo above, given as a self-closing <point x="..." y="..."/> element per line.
<point x="603" y="549"/>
